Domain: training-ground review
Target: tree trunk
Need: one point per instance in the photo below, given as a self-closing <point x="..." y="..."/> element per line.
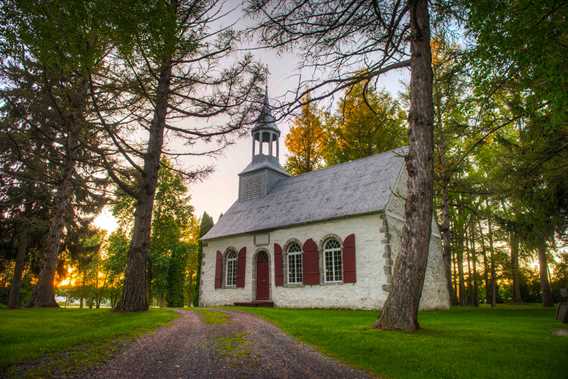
<point x="455" y="276"/>
<point x="44" y="292"/>
<point x="14" y="296"/>
<point x="82" y="300"/>
<point x="461" y="275"/>
<point x="492" y="254"/>
<point x="469" y="275"/>
<point x="487" y="285"/>
<point x="475" y="293"/>
<point x="446" y="238"/>
<point x="515" y="268"/>
<point x="547" y="299"/>
<point x="135" y="293"/>
<point x="400" y="310"/>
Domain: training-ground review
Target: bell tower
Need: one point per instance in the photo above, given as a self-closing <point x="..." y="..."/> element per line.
<point x="264" y="171"/>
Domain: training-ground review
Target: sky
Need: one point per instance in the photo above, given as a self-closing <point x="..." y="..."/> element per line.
<point x="218" y="191"/>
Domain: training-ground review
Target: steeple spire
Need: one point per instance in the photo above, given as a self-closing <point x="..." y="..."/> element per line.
<point x="264" y="170"/>
<point x="265" y="132"/>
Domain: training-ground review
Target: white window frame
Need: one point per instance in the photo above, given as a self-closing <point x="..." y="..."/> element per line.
<point x="297" y="255"/>
<point x="231" y="269"/>
<point x="335" y="259"/>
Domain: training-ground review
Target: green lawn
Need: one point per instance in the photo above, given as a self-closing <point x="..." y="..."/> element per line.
<point x="509" y="342"/>
<point x="68" y="338"/>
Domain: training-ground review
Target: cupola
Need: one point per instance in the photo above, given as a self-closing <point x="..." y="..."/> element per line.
<point x="264" y="170"/>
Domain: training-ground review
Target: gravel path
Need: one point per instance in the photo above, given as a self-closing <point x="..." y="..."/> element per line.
<point x="242" y="347"/>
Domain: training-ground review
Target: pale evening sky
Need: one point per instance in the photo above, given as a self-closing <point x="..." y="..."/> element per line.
<point x="218" y="191"/>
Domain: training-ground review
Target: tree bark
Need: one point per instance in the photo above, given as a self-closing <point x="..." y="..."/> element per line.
<point x="43" y="294"/>
<point x="461" y="275"/>
<point x="135" y="293"/>
<point x="547" y="299"/>
<point x="475" y="293"/>
<point x="515" y="268"/>
<point x="400" y="310"/>
<point x="445" y="230"/>
<point x="492" y="254"/>
<point x="485" y="266"/>
<point x="469" y="297"/>
<point x="455" y="276"/>
<point x="14" y="296"/>
<point x="446" y="236"/>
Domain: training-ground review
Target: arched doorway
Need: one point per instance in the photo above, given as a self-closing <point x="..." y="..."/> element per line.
<point x="262" y="277"/>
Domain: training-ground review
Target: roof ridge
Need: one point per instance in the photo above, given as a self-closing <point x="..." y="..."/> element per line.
<point x="348" y="162"/>
<point x="346" y="191"/>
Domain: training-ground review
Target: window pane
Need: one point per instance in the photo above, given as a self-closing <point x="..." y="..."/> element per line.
<point x="295" y="257"/>
<point x="231" y="277"/>
<point x="333" y="264"/>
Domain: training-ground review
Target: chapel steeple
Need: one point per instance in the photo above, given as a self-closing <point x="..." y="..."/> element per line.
<point x="265" y="134"/>
<point x="259" y="177"/>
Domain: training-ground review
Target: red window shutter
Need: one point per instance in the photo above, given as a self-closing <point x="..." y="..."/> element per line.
<point x="241" y="267"/>
<point x="278" y="271"/>
<point x="311" y="263"/>
<point x="349" y="267"/>
<point x="219" y="270"/>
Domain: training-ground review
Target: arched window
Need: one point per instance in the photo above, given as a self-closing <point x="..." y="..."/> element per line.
<point x="231" y="268"/>
<point x="332" y="260"/>
<point x="295" y="264"/>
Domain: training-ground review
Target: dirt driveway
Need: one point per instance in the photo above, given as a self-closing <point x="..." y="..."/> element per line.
<point x="239" y="345"/>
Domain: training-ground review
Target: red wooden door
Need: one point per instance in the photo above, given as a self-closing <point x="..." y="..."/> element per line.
<point x="262" y="280"/>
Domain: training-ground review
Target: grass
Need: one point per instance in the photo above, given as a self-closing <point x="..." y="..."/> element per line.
<point x="210" y="316"/>
<point x="508" y="342"/>
<point x="52" y="342"/>
<point x="234" y="347"/>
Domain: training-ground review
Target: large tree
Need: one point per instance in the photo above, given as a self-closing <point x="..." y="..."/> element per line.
<point x="520" y="51"/>
<point x="174" y="66"/>
<point x="354" y="41"/>
<point x="50" y="48"/>
<point x="172" y="237"/>
<point x="366" y="122"/>
<point x="305" y="141"/>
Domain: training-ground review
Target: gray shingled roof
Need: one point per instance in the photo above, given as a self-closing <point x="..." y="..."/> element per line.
<point x="358" y="187"/>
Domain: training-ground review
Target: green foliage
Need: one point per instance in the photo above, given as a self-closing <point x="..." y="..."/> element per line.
<point x="173" y="236"/>
<point x="87" y="337"/>
<point x="176" y="275"/>
<point x="508" y="342"/>
<point x="367" y="122"/>
<point x="306" y="141"/>
<point x="523" y="42"/>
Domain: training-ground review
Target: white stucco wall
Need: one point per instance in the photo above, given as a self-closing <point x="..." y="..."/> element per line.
<point x="372" y="262"/>
<point x="366" y="293"/>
